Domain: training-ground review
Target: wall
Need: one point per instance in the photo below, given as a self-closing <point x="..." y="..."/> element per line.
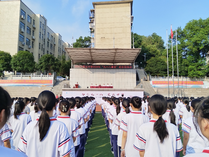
<point x="113" y="21"/>
<point x="119" y="78"/>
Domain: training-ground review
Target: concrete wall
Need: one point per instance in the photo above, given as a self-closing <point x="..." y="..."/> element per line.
<point x="119" y="78"/>
<point x="113" y="25"/>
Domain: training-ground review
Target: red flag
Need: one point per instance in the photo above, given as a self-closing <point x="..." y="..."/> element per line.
<point x="171" y="33"/>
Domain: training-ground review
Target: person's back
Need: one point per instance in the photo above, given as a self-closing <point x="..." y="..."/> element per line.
<point x="205" y="153"/>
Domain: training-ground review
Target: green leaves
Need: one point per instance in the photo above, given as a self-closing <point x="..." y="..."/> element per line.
<point x="23" y="61"/>
<point x="5" y="62"/>
<point x="82" y="42"/>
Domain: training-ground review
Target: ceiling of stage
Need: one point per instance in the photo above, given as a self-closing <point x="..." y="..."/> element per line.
<point x="95" y="55"/>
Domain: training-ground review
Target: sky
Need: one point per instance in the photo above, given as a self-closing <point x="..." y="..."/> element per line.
<point x="70" y="18"/>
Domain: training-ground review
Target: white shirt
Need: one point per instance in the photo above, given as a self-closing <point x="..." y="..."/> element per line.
<point x="147" y="139"/>
<point x="195" y="141"/>
<point x="72" y="127"/>
<point x="82" y="116"/>
<point x="26" y="110"/>
<point x="5" y="134"/>
<point x="130" y="123"/>
<point x="31" y="107"/>
<point x="118" y="122"/>
<point x="56" y="143"/>
<point x="18" y="126"/>
<point x="184" y="112"/>
<point x="166" y="116"/>
<point x="205" y="153"/>
<point x="6" y="152"/>
<point x="113" y="116"/>
<point x="34" y="115"/>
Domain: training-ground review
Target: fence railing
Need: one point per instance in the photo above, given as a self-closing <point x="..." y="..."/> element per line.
<point x="181" y="78"/>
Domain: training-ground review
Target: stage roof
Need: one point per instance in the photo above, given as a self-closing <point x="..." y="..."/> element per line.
<point x="95" y="55"/>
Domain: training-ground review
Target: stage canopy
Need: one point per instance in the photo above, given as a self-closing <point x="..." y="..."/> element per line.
<point x="95" y="55"/>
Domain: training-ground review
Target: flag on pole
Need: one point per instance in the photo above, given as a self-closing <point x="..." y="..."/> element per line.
<point x="171" y="33"/>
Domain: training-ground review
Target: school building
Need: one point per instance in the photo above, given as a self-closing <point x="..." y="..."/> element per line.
<point x="22" y="29"/>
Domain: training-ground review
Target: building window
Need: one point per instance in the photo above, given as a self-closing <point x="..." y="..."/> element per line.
<point x="38" y="56"/>
<point x="39" y="46"/>
<point x="48" y="35"/>
<point x="33" y="33"/>
<point x="33" y="22"/>
<point x="22" y="25"/>
<point x="39" y="35"/>
<point x="51" y="46"/>
<point x="42" y="37"/>
<point x="28" y="30"/>
<point x="29" y="19"/>
<point x="47" y="52"/>
<point x="40" y="24"/>
<point x="32" y="44"/>
<point x="21" y="49"/>
<point x="27" y="41"/>
<point x="21" y="38"/>
<point x="23" y="13"/>
<point x="47" y="44"/>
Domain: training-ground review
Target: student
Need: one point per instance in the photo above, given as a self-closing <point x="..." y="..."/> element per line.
<point x="5" y="136"/>
<point x="113" y="115"/>
<point x="192" y="142"/>
<point x="72" y="125"/>
<point x="46" y="136"/>
<point x="129" y="125"/>
<point x="202" y="121"/>
<point x="125" y="106"/>
<point x="18" y="122"/>
<point x="185" y="111"/>
<point x="158" y="138"/>
<point x="31" y="105"/>
<point x="36" y="113"/>
<point x="5" y="105"/>
<point x="26" y="102"/>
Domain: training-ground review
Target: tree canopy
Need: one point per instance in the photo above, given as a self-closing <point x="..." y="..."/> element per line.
<point x="5" y="62"/>
<point x="82" y="42"/>
<point x="23" y="62"/>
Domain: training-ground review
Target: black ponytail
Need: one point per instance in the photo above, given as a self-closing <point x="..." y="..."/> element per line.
<point x="158" y="105"/>
<point x="186" y="101"/>
<point x="126" y="104"/>
<point x="46" y="102"/>
<point x="171" y="105"/>
<point x="19" y="106"/>
<point x="64" y="106"/>
<point x="117" y="103"/>
<point x="136" y="102"/>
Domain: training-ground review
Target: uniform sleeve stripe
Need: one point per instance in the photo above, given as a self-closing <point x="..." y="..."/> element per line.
<point x="111" y="114"/>
<point x="178" y="150"/>
<point x="185" y="131"/>
<point x="64" y="142"/>
<point x="138" y="149"/>
<point x="178" y="138"/>
<point x="28" y="122"/>
<point x="6" y="138"/>
<point x="23" y="140"/>
<point x="20" y="150"/>
<point x="123" y="129"/>
<point x="75" y="129"/>
<point x="5" y="131"/>
<point x="140" y="138"/>
<point x="124" y="123"/>
<point x="187" y="126"/>
<point x="67" y="153"/>
<point x="117" y="120"/>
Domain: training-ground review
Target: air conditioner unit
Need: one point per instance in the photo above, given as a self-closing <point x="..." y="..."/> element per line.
<point x="34" y="26"/>
<point x="33" y="38"/>
<point x="29" y="46"/>
<point x="23" y="43"/>
<point x="22" y="17"/>
<point x="22" y="30"/>
<point x="54" y="43"/>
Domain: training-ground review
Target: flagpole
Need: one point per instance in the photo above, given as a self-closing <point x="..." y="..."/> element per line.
<point x="167" y="61"/>
<point x="172" y="61"/>
<point x="177" y="61"/>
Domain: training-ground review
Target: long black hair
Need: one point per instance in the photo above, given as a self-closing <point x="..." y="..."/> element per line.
<point x="78" y="102"/>
<point x="158" y="105"/>
<point x="71" y="102"/>
<point x="126" y="104"/>
<point x="33" y="100"/>
<point x="195" y="103"/>
<point x="25" y="100"/>
<point x="186" y="102"/>
<point x="5" y="103"/>
<point x="116" y="101"/>
<point x="171" y="105"/>
<point x="46" y="102"/>
<point x="19" y="107"/>
<point x="136" y="102"/>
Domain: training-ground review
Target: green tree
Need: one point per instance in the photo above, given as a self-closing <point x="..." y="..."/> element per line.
<point x="65" y="67"/>
<point x="5" y="62"/>
<point x="156" y="66"/>
<point x="82" y="42"/>
<point x="23" y="62"/>
<point x="48" y="63"/>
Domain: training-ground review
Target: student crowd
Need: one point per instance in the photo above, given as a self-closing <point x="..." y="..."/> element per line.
<point x="44" y="126"/>
<point x="151" y="127"/>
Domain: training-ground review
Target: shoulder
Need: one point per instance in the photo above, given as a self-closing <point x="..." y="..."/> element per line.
<point x="5" y="152"/>
<point x="197" y="155"/>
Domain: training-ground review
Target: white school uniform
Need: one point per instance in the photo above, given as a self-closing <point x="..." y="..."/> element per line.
<point x="205" y="153"/>
<point x="117" y="123"/>
<point x="72" y="127"/>
<point x="56" y="143"/>
<point x="6" y="152"/>
<point x="5" y="134"/>
<point x="75" y="115"/>
<point x="31" y="107"/>
<point x="166" y="116"/>
<point x="18" y="126"/>
<point x="34" y="115"/>
<point x="130" y="123"/>
<point x="195" y="141"/>
<point x="147" y="140"/>
<point x="81" y="111"/>
<point x="184" y="112"/>
<point x="144" y="108"/>
<point x="113" y="117"/>
<point x="26" y="110"/>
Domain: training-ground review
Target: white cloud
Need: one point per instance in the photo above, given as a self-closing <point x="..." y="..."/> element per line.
<point x="80" y="6"/>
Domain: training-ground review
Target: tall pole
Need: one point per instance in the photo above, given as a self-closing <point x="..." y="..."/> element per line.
<point x="172" y="64"/>
<point x="177" y="56"/>
<point x="167" y="61"/>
